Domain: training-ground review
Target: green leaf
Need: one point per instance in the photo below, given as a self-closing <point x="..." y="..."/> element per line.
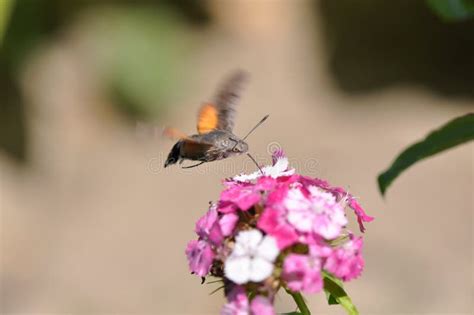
<point x="336" y="294"/>
<point x="457" y="131"/>
<point x="452" y="10"/>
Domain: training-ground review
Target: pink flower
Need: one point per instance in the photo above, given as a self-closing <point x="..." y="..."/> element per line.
<point x="341" y="195"/>
<point x="227" y="223"/>
<point x="212" y="228"/>
<point x="346" y="262"/>
<point x="316" y="211"/>
<point x="238" y="304"/>
<point x="275" y="228"/>
<point x="319" y="249"/>
<point x="273" y="221"/>
<point x="243" y="195"/>
<point x="208" y="228"/>
<point x="360" y="213"/>
<point x="302" y="273"/>
<point x="200" y="257"/>
<point x="260" y="305"/>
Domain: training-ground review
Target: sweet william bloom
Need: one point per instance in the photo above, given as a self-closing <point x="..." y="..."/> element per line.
<point x="243" y="196"/>
<point x="341" y="195"/>
<point x="315" y="211"/>
<point x="238" y="304"/>
<point x="279" y="168"/>
<point x="227" y="223"/>
<point x="346" y="262"/>
<point x="200" y="257"/>
<point x="208" y="228"/>
<point x="252" y="257"/>
<point x="212" y="228"/>
<point x="273" y="221"/>
<point x="302" y="273"/>
<point x="274" y="229"/>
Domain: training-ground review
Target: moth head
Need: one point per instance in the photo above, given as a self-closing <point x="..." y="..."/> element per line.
<point x="240" y="147"/>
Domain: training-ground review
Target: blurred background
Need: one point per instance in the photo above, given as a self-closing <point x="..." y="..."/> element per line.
<point x="92" y="224"/>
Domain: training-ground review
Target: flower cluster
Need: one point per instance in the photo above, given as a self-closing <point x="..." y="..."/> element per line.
<point x="274" y="229"/>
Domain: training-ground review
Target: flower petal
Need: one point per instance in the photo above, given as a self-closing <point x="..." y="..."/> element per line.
<point x="260" y="269"/>
<point x="227" y="223"/>
<point x="200" y="257"/>
<point x="238" y="269"/>
<point x="268" y="249"/>
<point x="261" y="305"/>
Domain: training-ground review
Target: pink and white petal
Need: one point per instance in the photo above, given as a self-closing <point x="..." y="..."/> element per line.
<point x="296" y="200"/>
<point x="326" y="228"/>
<point x="302" y="219"/>
<point x="319" y="193"/>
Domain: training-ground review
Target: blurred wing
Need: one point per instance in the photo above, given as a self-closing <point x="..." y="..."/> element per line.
<point x="221" y="114"/>
<point x="174" y="134"/>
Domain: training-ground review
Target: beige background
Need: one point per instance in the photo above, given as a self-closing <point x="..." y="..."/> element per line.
<point x="94" y="225"/>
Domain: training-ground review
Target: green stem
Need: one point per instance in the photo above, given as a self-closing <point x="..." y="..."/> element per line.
<point x="299" y="300"/>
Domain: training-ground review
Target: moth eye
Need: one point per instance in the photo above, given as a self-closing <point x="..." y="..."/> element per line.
<point x="235" y="149"/>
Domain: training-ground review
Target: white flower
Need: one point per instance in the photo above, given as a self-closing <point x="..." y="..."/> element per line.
<point x="279" y="168"/>
<point x="252" y="258"/>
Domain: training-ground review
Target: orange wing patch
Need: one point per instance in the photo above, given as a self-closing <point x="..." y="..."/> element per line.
<point x="208" y="118"/>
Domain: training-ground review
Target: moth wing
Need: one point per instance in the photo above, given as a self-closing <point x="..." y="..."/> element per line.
<point x="174" y="134"/>
<point x="208" y="118"/>
<point x="221" y="113"/>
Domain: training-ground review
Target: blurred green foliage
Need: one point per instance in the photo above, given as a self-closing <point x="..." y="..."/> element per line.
<point x="142" y="48"/>
<point x="143" y="54"/>
<point x="5" y="10"/>
<point x="375" y="44"/>
<point x="452" y="10"/>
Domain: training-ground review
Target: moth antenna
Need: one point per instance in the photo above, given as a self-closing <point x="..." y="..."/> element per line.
<point x="256" y="126"/>
<point x="251" y="157"/>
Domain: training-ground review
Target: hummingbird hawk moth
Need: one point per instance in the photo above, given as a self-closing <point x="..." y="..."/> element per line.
<point x="215" y="139"/>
